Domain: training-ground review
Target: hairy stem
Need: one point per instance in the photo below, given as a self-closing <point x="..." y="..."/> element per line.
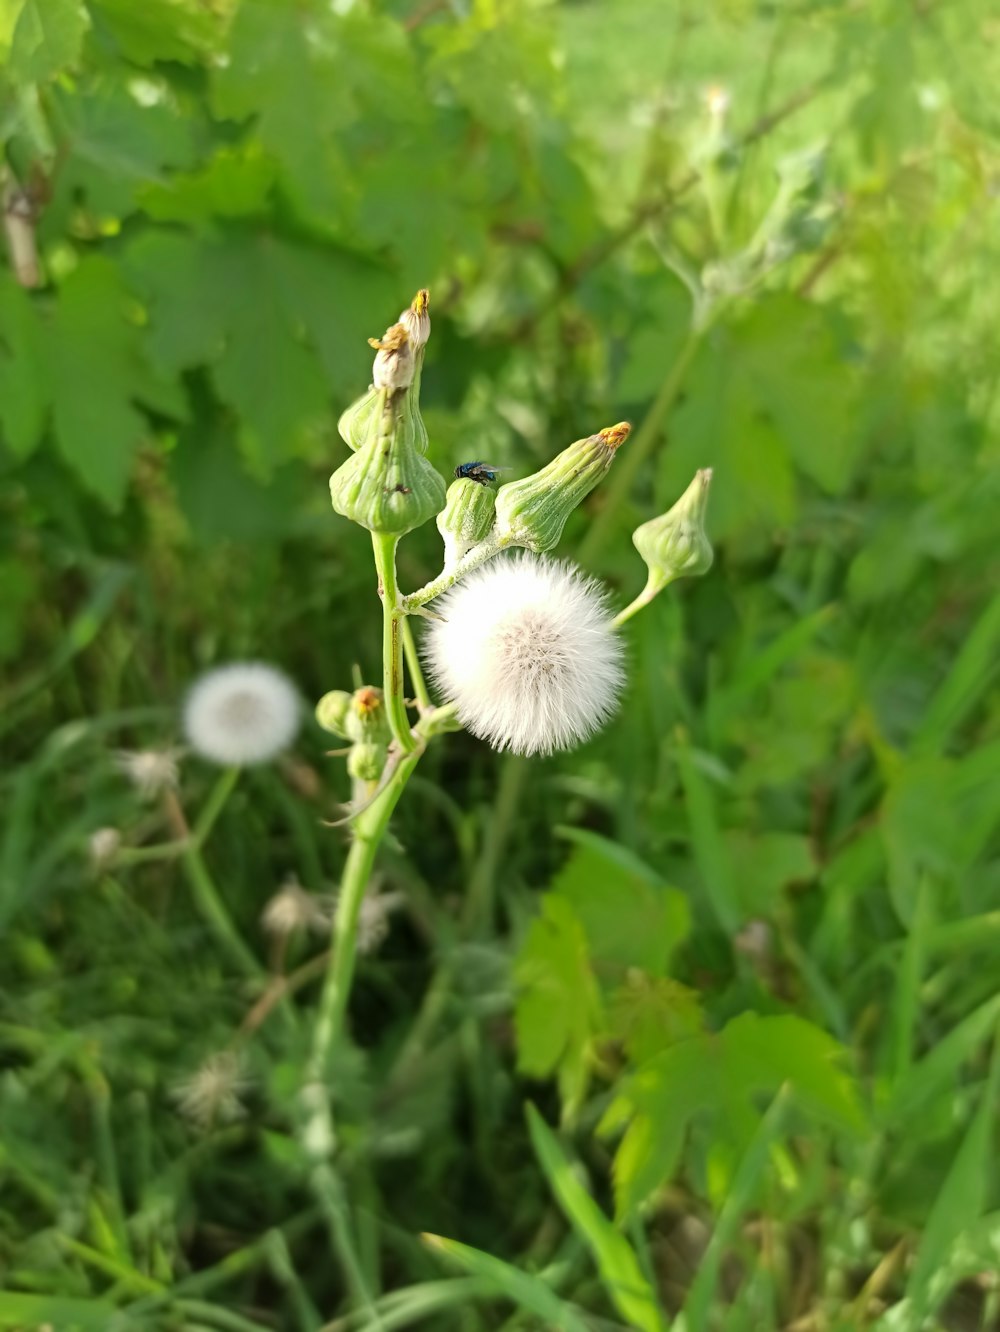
<point x="392" y="640"/>
<point x="369" y="830"/>
<point x="472" y="559"/>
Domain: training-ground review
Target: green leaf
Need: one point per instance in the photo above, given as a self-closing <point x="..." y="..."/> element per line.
<point x="266" y="315"/>
<point x="649" y="1014"/>
<point x="617" y="1264"/>
<point x="175" y="30"/>
<point x="750" y="1056"/>
<point x="95" y="357"/>
<point x="631" y="918"/>
<point x="558" y="1006"/>
<point x="25" y="389"/>
<point x="761" y="1053"/>
<point x="765" y="864"/>
<point x="47" y="37"/>
<point x="279" y="70"/>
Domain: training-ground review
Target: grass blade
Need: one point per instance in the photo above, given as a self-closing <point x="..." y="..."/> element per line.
<point x="616" y="1260"/>
<point x="522" y="1288"/>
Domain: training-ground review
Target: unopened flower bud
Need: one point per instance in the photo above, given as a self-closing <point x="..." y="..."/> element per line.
<point x="675" y="544"/>
<point x="533" y="512"/>
<point x="332" y="711"/>
<point x="357" y="421"/>
<point x="366" y="761"/>
<point x="417" y="320"/>
<point x="366" y="717"/>
<point x="466" y="517"/>
<point x="394" y="361"/>
<point x="387" y="485"/>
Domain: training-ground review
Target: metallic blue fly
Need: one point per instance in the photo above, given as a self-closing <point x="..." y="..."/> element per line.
<point x="484" y="473"/>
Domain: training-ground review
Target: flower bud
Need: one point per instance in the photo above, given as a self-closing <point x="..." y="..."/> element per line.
<point x="387" y="485"/>
<point x="675" y="544"/>
<point x="332" y="710"/>
<point x="356" y="421"/>
<point x="366" y="761"/>
<point x="533" y="512"/>
<point x="416" y="321"/>
<point x="366" y="718"/>
<point x="395" y="361"/>
<point x="466" y="517"/>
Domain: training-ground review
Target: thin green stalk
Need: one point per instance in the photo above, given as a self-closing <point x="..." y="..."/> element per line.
<point x="213" y="911"/>
<point x="369" y="829"/>
<point x="215" y="804"/>
<point x="392" y="640"/>
<point x="470" y="560"/>
<point x="424" y="703"/>
<point x="653" y="587"/>
<point x="641" y="445"/>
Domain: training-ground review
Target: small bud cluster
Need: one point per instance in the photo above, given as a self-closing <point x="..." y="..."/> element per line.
<point x="360" y="718"/>
<point x="388" y="485"/>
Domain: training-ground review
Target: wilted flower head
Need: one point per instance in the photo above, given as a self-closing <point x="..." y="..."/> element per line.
<point x="102" y="847"/>
<point x="526" y="651"/>
<point x="150" y="771"/>
<point x="373" y="919"/>
<point x="212" y="1095"/>
<point x="244" y="713"/>
<point x="292" y="908"/>
<point x="394" y="360"/>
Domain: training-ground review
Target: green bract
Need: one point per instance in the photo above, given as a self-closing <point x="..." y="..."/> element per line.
<point x="675" y="544"/>
<point x="466" y="517"/>
<point x="532" y="512"/>
<point x="387" y="485"/>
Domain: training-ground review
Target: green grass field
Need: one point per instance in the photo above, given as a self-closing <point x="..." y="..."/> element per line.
<point x="695" y="1026"/>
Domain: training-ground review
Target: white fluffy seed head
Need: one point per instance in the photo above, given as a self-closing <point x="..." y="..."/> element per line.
<point x="527" y="652"/>
<point x="241" y="714"/>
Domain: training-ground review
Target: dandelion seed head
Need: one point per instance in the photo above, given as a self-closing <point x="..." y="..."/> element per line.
<point x="213" y="1094"/>
<point x="373" y="920"/>
<point x="526" y="650"/>
<point x="243" y="713"/>
<point x="292" y="908"/>
<point x="102" y="847"/>
<point x="151" y="771"/>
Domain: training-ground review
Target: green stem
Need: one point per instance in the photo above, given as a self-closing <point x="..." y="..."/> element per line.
<point x="424" y="703"/>
<point x="214" y="805"/>
<point x="472" y="559"/>
<point x="213" y="912"/>
<point x="392" y="640"/>
<point x="640" y="446"/>
<point x="653" y="586"/>
<point x="369" y="829"/>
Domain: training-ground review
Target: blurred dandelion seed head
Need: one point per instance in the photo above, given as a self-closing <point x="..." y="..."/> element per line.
<point x="214" y="1092"/>
<point x="292" y="909"/>
<point x="241" y="714"/>
<point x="151" y="771"/>
<point x="102" y="846"/>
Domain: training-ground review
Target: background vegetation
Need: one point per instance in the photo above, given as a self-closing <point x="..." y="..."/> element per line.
<point x="754" y="925"/>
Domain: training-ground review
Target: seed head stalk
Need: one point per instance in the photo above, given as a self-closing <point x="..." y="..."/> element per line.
<point x="392" y="640"/>
<point x="369" y="830"/>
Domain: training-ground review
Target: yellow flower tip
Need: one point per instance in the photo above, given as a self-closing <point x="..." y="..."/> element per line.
<point x="616" y="435"/>
<point x="368" y="700"/>
<point x="392" y="340"/>
<point x="421" y="303"/>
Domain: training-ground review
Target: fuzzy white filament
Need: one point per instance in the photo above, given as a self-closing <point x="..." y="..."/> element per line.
<point x="240" y="714"/>
<point x="526" y="651"/>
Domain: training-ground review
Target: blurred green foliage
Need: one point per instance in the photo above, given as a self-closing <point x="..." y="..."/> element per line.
<point x="768" y="234"/>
